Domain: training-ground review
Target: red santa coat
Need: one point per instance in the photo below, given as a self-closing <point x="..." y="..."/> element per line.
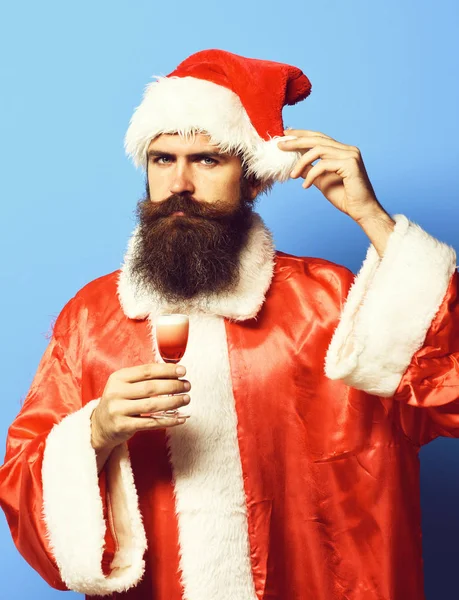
<point x="289" y="480"/>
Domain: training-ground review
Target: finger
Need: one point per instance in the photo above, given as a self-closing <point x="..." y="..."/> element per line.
<point x="150" y="371"/>
<point x="305" y="170"/>
<point x="149" y="388"/>
<point x="322" y="167"/>
<point x="149" y="423"/>
<point x="321" y="138"/>
<point x="307" y="132"/>
<point x="322" y="152"/>
<point x="151" y="405"/>
<point x="300" y="144"/>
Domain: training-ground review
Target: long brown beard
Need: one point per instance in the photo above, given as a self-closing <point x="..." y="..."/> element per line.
<point x="197" y="254"/>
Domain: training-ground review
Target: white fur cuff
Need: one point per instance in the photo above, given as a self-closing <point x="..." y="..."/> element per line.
<point x="73" y="509"/>
<point x="389" y="309"/>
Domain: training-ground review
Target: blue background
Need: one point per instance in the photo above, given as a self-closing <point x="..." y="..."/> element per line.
<point x="384" y="77"/>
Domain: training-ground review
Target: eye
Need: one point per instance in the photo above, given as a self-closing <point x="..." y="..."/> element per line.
<point x="208" y="161"/>
<point x="162" y="160"/>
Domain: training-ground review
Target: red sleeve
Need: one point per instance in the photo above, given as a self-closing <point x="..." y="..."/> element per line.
<point x="431" y="381"/>
<point x="398" y="332"/>
<point x="54" y="394"/>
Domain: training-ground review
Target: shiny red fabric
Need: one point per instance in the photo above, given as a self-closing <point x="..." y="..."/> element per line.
<point x="331" y="474"/>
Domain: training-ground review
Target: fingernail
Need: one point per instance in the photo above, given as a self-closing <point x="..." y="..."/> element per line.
<point x="187" y="385"/>
<point x="180" y="370"/>
<point x="186" y="398"/>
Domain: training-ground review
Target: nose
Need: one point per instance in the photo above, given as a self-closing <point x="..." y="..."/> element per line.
<point x="181" y="179"/>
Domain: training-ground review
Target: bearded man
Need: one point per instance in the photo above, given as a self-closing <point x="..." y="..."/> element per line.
<point x="294" y="473"/>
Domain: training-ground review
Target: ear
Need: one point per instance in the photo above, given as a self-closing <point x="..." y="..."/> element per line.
<point x="255" y="186"/>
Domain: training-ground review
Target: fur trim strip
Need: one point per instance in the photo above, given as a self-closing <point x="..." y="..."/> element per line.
<point x="389" y="309"/>
<point x="187" y="105"/>
<point x="208" y="484"/>
<point x="73" y="509"/>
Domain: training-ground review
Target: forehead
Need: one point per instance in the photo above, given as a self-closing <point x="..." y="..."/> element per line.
<point x="178" y="144"/>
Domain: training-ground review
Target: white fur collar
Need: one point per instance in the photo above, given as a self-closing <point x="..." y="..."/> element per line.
<point x="256" y="268"/>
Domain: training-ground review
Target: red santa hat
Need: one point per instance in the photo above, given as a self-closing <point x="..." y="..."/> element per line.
<point x="237" y="101"/>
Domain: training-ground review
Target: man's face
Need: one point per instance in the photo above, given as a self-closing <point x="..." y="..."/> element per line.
<point x="195" y="168"/>
<point x="195" y="219"/>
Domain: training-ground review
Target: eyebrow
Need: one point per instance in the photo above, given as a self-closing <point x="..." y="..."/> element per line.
<point x="194" y="156"/>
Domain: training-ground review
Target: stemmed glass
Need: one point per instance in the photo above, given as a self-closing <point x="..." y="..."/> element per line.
<point x="172" y="339"/>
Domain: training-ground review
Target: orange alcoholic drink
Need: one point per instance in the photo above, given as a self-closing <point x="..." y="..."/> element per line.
<point x="172" y="336"/>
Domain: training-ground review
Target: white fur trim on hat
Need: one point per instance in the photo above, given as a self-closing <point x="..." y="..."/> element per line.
<point x="73" y="509"/>
<point x="389" y="309"/>
<point x="187" y="105"/>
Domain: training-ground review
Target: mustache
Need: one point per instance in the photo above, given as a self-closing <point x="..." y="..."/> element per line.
<point x="187" y="204"/>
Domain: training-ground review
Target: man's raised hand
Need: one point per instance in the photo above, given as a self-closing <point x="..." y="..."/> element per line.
<point x="340" y="173"/>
